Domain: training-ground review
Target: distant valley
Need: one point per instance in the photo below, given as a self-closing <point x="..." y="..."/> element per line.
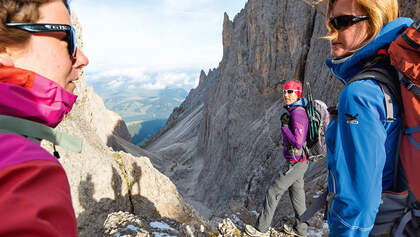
<point x="144" y="109"/>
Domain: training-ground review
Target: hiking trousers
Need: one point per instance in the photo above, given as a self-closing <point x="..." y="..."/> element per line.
<point x="290" y="178"/>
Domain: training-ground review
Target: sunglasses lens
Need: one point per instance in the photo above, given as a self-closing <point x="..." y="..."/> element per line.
<point x="71" y="42"/>
<point x="345" y="21"/>
<point x="288" y="91"/>
<point x="341" y="21"/>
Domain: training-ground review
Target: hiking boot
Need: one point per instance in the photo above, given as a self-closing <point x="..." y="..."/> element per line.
<point x="253" y="232"/>
<point x="291" y="231"/>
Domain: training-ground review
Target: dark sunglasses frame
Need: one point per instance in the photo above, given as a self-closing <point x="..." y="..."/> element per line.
<point x="43" y="28"/>
<point x="290" y="91"/>
<point x="343" y="21"/>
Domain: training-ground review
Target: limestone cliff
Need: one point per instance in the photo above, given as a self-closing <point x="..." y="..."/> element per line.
<point x="219" y="142"/>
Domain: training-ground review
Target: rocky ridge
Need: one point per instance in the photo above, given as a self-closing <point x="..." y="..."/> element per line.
<point x="230" y="158"/>
<point x="233" y="157"/>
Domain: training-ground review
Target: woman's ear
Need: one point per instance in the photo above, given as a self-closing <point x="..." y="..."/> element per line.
<point x="6" y="60"/>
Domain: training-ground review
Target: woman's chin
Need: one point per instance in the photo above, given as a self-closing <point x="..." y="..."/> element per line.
<point x="70" y="87"/>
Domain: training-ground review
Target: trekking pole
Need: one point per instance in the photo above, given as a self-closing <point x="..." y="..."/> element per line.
<point x="311" y="110"/>
<point x="315" y="123"/>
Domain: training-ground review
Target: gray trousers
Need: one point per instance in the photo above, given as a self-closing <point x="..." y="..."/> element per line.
<point x="290" y="178"/>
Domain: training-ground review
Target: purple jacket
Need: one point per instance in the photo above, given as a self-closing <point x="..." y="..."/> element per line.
<point x="294" y="135"/>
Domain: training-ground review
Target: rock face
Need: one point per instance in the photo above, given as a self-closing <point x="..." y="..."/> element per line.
<point x="178" y="141"/>
<point x="219" y="142"/>
<point x="103" y="180"/>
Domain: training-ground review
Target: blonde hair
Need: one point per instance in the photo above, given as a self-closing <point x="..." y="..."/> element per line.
<point x="18" y="11"/>
<point x="379" y="12"/>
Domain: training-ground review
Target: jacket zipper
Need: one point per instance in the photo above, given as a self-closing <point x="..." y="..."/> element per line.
<point x="332" y="194"/>
<point x="333" y="180"/>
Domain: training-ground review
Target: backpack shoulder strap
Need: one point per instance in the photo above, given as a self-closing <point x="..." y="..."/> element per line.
<point x="387" y="78"/>
<point x="33" y="130"/>
<point x="407" y="83"/>
<point x="389" y="108"/>
<point x="381" y="79"/>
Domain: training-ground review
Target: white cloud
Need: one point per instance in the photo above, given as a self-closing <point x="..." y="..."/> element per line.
<point x="172" y="79"/>
<point x="165" y="34"/>
<point x="114" y="84"/>
<point x="132" y="78"/>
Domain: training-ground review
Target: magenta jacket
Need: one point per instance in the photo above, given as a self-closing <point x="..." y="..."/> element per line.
<point x="35" y="195"/>
<point x="295" y="134"/>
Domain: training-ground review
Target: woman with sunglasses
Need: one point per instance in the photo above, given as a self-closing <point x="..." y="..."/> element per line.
<point x="39" y="63"/>
<point x="361" y="143"/>
<point x="294" y="129"/>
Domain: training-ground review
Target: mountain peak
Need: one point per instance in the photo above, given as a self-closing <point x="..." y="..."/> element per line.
<point x="202" y="77"/>
<point x="227" y="32"/>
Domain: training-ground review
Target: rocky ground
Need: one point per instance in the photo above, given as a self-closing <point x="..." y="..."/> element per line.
<point x="120" y="224"/>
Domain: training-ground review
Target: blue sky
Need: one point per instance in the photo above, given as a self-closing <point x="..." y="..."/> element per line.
<point x="144" y="38"/>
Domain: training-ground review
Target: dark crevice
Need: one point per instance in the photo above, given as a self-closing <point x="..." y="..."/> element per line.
<point x="310" y="34"/>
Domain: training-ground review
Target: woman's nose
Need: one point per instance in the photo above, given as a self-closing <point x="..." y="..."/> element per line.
<point x="81" y="60"/>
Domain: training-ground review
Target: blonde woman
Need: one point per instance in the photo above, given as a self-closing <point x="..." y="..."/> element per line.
<point x="362" y="143"/>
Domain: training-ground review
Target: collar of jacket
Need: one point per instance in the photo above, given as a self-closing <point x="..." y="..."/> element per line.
<point x="25" y="94"/>
<point x="346" y="68"/>
<point x="301" y="102"/>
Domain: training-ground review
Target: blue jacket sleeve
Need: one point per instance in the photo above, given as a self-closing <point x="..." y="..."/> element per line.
<point x="360" y="157"/>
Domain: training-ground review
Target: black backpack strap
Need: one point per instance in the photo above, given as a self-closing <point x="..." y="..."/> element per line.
<point x="380" y="78"/>
<point x="410" y="216"/>
<point x="407" y="83"/>
<point x="380" y="70"/>
<point x="416" y="25"/>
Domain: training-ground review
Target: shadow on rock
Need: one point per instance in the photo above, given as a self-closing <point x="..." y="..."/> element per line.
<point x="91" y="220"/>
<point x="141" y="205"/>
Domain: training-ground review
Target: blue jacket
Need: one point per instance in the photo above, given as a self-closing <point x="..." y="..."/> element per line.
<point x="361" y="145"/>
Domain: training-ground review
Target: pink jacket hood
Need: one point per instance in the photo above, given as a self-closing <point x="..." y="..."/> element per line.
<point x="25" y="94"/>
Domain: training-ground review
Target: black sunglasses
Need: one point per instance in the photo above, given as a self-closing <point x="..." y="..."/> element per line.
<point x="345" y="21"/>
<point x="41" y="28"/>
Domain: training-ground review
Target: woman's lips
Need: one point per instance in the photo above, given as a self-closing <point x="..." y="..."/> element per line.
<point x="335" y="43"/>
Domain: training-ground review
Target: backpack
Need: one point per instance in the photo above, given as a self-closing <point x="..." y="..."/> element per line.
<point x="397" y="71"/>
<point x="319" y="117"/>
<point x="404" y="54"/>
